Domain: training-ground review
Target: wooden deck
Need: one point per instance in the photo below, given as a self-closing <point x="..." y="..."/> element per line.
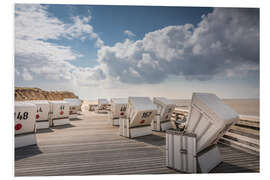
<point x="91" y="146"/>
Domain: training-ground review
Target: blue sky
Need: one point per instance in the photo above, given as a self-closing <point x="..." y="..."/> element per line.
<point x="119" y="51"/>
<point x="111" y="21"/>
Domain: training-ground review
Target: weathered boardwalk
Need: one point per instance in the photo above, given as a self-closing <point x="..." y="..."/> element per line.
<point x="91" y="146"/>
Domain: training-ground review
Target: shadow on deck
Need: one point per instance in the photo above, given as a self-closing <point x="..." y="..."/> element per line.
<point x="47" y="130"/>
<point x="153" y="139"/>
<point x="63" y="126"/>
<point x="76" y="119"/>
<point x="225" y="167"/>
<point x="25" y="152"/>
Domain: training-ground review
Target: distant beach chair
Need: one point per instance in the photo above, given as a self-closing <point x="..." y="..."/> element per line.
<point x="59" y="113"/>
<point x="42" y="113"/>
<point x="74" y="107"/>
<point x="102" y="105"/>
<point x="165" y="108"/>
<point x="118" y="110"/>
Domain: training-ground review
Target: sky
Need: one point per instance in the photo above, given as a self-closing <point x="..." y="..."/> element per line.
<point x="121" y="51"/>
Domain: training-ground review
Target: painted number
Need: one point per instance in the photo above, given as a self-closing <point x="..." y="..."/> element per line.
<point x="62" y="107"/>
<point x="23" y="116"/>
<point x="39" y="110"/>
<point x="146" y="114"/>
<point x="123" y="108"/>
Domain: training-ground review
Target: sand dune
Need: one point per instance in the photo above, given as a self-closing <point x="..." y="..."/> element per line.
<point x="23" y="94"/>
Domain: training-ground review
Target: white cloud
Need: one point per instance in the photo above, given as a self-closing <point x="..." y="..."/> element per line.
<point x="26" y="75"/>
<point x="34" y="22"/>
<point x="49" y="51"/>
<point x="129" y="33"/>
<point x="38" y="59"/>
<point x="224" y="44"/>
<point x="88" y="76"/>
<point x="224" y="40"/>
<point x="81" y="29"/>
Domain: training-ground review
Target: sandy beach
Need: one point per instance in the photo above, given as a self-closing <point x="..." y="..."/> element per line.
<point x="242" y="106"/>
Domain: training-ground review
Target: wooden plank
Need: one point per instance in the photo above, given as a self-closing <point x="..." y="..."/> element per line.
<point x="248" y="144"/>
<point x="245" y="131"/>
<point x="249" y="118"/>
<point x="243" y="138"/>
<point x="248" y="124"/>
<point x="91" y="146"/>
<point x="181" y="111"/>
<point x="240" y="146"/>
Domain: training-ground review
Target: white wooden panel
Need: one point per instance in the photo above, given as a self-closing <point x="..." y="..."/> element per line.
<point x="25" y="140"/>
<point x="42" y="125"/>
<point x="181" y="151"/>
<point x="73" y="116"/>
<point x="140" y="131"/>
<point x="59" y="122"/>
<point x="126" y="131"/>
<point x="209" y="160"/>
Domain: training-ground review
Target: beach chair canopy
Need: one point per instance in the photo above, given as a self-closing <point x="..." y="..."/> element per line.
<point x="141" y="111"/>
<point x="209" y="118"/>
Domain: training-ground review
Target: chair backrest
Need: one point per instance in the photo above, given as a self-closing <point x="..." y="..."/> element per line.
<point x="42" y="109"/>
<point x="165" y="108"/>
<point x="209" y="118"/>
<point x="60" y="109"/>
<point x="141" y="111"/>
<point x="102" y="102"/>
<point x="24" y="117"/>
<point x="119" y="107"/>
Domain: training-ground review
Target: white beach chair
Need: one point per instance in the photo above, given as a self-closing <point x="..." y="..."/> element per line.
<point x="74" y="107"/>
<point x="42" y="113"/>
<point x="25" y="124"/>
<point x="59" y="113"/>
<point x="102" y="105"/>
<point x="118" y="110"/>
<point x="208" y="120"/>
<point x="165" y="108"/>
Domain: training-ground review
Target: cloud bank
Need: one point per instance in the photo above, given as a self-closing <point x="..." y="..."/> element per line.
<point x="224" y="44"/>
<point x="38" y="58"/>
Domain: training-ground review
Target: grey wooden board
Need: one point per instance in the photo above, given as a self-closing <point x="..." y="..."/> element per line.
<point x="91" y="146"/>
